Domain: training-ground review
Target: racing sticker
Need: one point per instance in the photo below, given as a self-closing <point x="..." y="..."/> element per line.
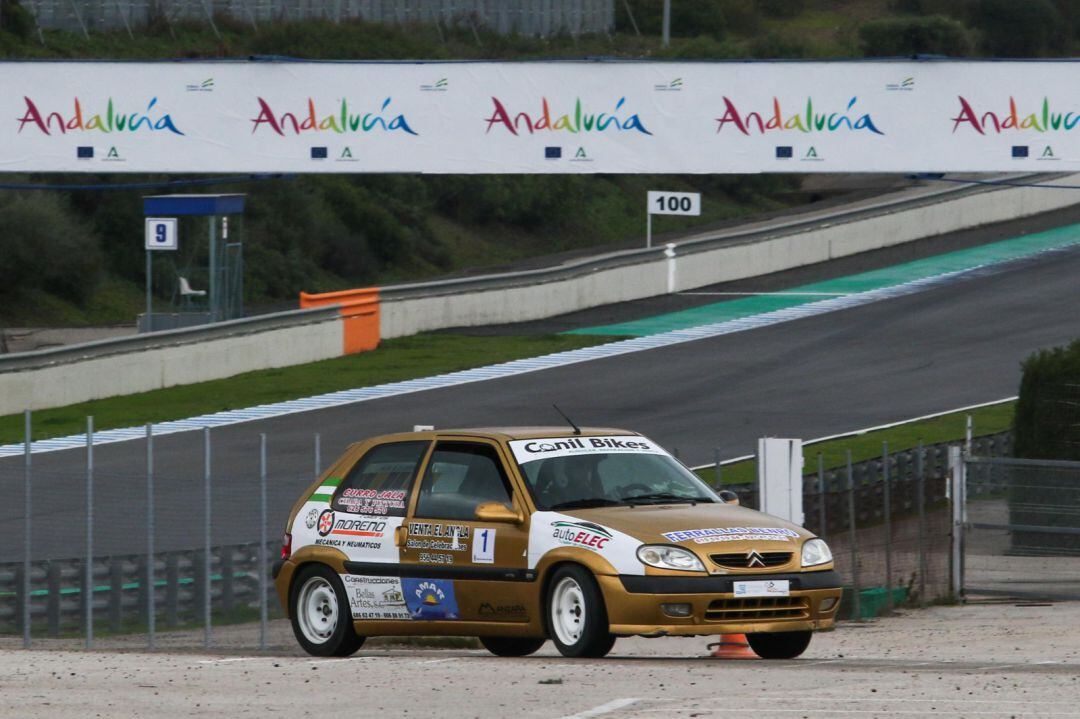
<point x="529" y="450"/>
<point x="386" y="502"/>
<point x="732" y="534"/>
<point x="375" y="597"/>
<point x="348" y="532"/>
<point x="363" y="538"/>
<point x="430" y="599"/>
<point x="553" y="530"/>
<point x="483" y="546"/>
<point x="434" y="540"/>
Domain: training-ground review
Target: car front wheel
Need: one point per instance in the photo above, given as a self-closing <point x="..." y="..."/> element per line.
<point x="577" y="618"/>
<point x="779" y="645"/>
<point x="321" y="618"/>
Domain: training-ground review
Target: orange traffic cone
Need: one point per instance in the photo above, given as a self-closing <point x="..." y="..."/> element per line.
<point x="732" y="646"/>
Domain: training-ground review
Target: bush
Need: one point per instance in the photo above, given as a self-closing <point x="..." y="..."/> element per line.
<point x="1048" y="411"/>
<point x="935" y="35"/>
<point x="46" y="247"/>
<point x="688" y="19"/>
<point x="16" y="19"/>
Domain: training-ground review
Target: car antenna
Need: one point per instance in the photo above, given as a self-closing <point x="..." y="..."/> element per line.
<point x="577" y="430"/>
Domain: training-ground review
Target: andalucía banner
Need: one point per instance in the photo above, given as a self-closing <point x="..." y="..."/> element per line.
<point x="539" y="117"/>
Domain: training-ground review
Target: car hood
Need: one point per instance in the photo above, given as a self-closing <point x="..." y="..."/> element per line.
<point x="703" y="527"/>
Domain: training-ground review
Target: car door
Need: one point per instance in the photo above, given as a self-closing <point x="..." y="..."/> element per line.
<point x="454" y="565"/>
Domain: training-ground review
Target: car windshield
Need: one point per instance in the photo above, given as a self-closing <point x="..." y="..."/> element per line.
<point x="603" y="480"/>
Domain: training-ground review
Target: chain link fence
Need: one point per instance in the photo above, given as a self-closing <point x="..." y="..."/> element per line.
<point x="541" y="18"/>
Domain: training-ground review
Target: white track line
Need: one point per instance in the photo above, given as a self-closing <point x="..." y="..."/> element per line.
<point x="764" y="294"/>
<point x="510" y="369"/>
<point x="606" y="708"/>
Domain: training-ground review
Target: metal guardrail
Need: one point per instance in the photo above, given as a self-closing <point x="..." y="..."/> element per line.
<point x="171" y="338"/>
<point x="120" y="589"/>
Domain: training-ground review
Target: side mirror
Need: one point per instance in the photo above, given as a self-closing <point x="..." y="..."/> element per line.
<point x="498" y="512"/>
<point x="729" y="497"/>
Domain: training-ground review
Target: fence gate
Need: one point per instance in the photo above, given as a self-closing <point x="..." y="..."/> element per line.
<point x="1021" y="529"/>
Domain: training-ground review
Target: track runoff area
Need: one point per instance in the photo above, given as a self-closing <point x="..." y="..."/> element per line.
<point x="983" y="660"/>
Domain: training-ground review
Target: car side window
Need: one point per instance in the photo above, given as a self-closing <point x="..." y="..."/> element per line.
<point x="379" y="483"/>
<point x="461" y="476"/>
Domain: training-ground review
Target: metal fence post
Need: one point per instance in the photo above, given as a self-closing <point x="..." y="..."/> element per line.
<point x="857" y="614"/>
<point x="318" y="455"/>
<point x="88" y="575"/>
<point x="264" y="570"/>
<point x="821" y="494"/>
<point x="956" y="483"/>
<point x="151" y="588"/>
<point x="887" y="507"/>
<point x="920" y="500"/>
<point x="206" y="536"/>
<point x="27" y="534"/>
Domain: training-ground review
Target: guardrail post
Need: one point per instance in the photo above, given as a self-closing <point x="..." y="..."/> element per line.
<point x="52" y="606"/>
<point x="227" y="590"/>
<point x="856" y="613"/>
<point x="27" y="534"/>
<point x="21" y="596"/>
<point x="88" y="573"/>
<point x="956" y="498"/>
<point x="116" y="592"/>
<point x="172" y="590"/>
<point x="886" y="478"/>
<point x="264" y="569"/>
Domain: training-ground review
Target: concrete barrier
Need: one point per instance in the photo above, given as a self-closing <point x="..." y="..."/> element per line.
<point x="128" y="365"/>
<point x="408" y="309"/>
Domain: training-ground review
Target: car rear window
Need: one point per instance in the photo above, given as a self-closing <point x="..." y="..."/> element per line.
<point x="379" y="483"/>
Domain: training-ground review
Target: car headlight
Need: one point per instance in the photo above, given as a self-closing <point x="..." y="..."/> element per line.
<point x="815" y="552"/>
<point x="667" y="557"/>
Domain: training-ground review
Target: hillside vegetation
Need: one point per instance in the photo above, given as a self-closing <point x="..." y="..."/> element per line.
<point x="74" y="257"/>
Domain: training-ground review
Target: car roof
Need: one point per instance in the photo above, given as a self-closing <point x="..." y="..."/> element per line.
<point x="504" y="433"/>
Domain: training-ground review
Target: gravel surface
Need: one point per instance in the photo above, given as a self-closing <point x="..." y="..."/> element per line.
<point x="980" y="660"/>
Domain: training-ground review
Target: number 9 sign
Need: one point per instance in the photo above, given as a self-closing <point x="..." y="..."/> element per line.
<point x="161" y="233"/>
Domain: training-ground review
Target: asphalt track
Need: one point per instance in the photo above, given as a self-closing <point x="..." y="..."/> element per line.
<point x="954" y="345"/>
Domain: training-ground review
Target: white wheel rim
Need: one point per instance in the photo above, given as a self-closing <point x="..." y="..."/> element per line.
<point x="568" y="611"/>
<point x="317" y="610"/>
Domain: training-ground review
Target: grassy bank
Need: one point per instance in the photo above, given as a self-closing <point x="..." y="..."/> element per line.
<point x="395" y="360"/>
<point x="947" y="428"/>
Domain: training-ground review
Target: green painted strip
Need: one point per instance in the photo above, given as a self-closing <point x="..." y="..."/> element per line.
<point x="126" y="585"/>
<point x="332" y="481"/>
<point x="320" y="498"/>
<point x="993" y="253"/>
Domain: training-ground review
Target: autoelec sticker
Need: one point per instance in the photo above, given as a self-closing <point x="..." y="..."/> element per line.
<point x="580" y="534"/>
<point x="375" y="597"/>
<point x="556" y="531"/>
<point x="430" y="599"/>
<point x="529" y="450"/>
<point x="732" y="534"/>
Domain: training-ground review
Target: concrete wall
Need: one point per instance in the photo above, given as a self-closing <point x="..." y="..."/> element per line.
<point x="704" y="263"/>
<point x="68" y="375"/>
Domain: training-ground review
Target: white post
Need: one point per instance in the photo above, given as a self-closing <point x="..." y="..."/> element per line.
<point x="780" y="464"/>
<point x="669" y="253"/>
<point x="956" y="487"/>
<point x="648" y="228"/>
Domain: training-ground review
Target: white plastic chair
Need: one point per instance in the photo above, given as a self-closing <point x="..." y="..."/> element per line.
<point x="186" y="293"/>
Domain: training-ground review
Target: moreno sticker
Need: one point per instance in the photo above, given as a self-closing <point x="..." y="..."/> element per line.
<point x="375" y="597"/>
<point x="430" y="599"/>
<point x="529" y="450"/>
<point x="581" y="534"/>
<point x="730" y="534"/>
<point x="326" y="522"/>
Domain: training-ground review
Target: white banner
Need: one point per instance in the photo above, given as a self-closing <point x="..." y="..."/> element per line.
<point x="544" y="117"/>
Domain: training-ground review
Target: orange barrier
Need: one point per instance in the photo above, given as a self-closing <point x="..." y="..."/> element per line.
<point x="732" y="646"/>
<point x="359" y="314"/>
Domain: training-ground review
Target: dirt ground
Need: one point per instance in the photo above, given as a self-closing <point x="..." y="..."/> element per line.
<point x="979" y="660"/>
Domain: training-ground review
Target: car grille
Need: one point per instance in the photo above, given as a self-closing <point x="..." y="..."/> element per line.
<point x="740" y="560"/>
<point x="757" y="608"/>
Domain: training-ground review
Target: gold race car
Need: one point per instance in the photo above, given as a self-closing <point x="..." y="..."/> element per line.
<point x="521" y="535"/>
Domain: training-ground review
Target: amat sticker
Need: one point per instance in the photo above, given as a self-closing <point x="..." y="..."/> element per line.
<point x="430" y="599"/>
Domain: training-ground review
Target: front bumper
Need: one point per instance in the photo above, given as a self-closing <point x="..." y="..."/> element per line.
<point x="634" y="604"/>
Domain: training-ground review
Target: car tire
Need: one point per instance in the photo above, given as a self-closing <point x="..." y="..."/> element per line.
<point x="576" y="616"/>
<point x="321" y="618"/>
<point x="779" y="645"/>
<point x="511" y="646"/>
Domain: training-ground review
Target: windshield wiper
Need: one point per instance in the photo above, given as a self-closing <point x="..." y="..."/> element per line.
<point x="585" y="503"/>
<point x="663" y="497"/>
